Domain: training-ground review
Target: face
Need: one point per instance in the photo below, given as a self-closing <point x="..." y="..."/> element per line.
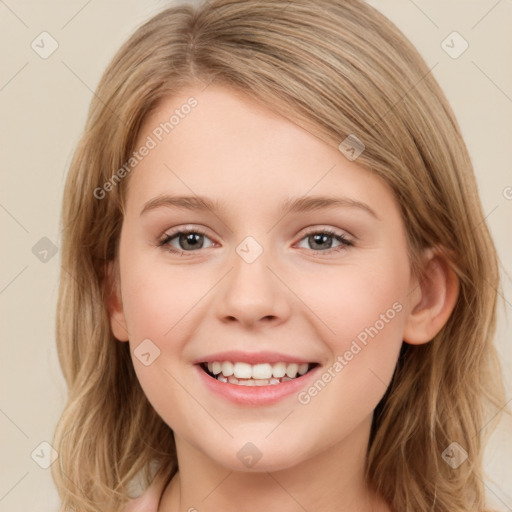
<point x="321" y="287"/>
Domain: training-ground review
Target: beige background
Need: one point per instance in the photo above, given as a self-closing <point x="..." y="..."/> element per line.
<point x="43" y="103"/>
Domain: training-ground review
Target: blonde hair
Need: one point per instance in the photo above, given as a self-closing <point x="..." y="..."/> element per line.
<point x="336" y="68"/>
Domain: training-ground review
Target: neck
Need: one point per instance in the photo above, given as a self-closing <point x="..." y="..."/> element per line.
<point x="329" y="481"/>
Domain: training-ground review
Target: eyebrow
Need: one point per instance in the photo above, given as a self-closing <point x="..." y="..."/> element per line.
<point x="291" y="205"/>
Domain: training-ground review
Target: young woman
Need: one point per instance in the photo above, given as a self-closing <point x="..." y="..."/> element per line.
<point x="278" y="287"/>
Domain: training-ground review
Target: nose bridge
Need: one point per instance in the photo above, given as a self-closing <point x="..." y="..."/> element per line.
<point x="251" y="291"/>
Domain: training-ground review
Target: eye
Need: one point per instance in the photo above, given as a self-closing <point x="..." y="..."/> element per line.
<point x="323" y="239"/>
<point x="188" y="241"/>
<point x="193" y="239"/>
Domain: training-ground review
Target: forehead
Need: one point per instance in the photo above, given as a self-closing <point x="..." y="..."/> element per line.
<point x="229" y="146"/>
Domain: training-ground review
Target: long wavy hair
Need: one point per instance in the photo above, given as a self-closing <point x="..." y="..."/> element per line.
<point x="336" y="68"/>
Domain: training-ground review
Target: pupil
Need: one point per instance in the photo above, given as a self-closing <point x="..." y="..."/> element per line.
<point x="320" y="239"/>
<point x="191" y="238"/>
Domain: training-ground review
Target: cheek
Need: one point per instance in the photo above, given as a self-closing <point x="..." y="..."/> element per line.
<point x="362" y="308"/>
<point x="156" y="298"/>
<point x="156" y="301"/>
<point x="352" y="298"/>
<point x="365" y="347"/>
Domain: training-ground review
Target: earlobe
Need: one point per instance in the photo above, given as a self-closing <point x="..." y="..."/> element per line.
<point x="433" y="299"/>
<point x="114" y="302"/>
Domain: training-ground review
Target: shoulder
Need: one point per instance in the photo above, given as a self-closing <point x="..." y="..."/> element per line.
<point x="149" y="500"/>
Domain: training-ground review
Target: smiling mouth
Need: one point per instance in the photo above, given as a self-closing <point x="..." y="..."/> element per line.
<point x="264" y="374"/>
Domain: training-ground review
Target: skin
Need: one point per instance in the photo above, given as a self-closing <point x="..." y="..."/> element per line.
<point x="296" y="297"/>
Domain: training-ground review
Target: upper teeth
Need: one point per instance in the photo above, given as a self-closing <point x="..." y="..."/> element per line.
<point x="257" y="371"/>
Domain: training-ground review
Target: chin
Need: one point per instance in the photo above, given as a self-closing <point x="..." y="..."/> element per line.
<point x="260" y="455"/>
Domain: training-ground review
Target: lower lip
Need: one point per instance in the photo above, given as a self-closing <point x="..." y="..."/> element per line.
<point x="255" y="395"/>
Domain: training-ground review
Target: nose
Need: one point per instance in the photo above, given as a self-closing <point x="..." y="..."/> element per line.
<point x="253" y="294"/>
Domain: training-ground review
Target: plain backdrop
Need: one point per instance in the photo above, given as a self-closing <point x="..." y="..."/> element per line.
<point x="43" y="104"/>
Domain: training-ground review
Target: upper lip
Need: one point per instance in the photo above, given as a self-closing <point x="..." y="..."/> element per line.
<point x="252" y="357"/>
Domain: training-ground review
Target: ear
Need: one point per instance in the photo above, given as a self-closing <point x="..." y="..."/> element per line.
<point x="433" y="298"/>
<point x="114" y="302"/>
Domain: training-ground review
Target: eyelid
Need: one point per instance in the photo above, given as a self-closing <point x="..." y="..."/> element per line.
<point x="183" y="228"/>
<point x="319" y="228"/>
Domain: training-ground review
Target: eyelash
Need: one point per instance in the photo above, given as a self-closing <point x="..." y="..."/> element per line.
<point x="337" y="236"/>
